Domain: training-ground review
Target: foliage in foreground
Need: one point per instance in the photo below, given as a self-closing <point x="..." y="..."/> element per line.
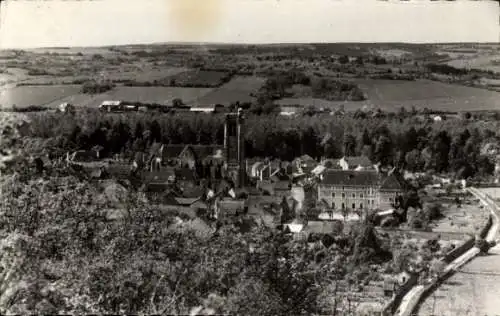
<point x="75" y="260"/>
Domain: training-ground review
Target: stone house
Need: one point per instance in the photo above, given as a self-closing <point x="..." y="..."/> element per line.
<point x="355" y="190"/>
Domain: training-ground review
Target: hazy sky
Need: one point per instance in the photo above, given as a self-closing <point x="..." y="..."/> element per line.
<point x="110" y="22"/>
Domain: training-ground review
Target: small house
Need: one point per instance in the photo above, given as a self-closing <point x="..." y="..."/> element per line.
<point x="290" y="110"/>
<point x="110" y="106"/>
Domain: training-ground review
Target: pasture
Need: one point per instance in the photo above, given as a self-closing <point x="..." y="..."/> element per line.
<point x="25" y="96"/>
<point x="150" y="95"/>
<point x="391" y="95"/>
<point x="239" y="89"/>
<point x="201" y="78"/>
<point x="490" y="62"/>
<point x="141" y="74"/>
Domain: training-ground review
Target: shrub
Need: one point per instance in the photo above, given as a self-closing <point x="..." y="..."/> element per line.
<point x="483" y="245"/>
<point x="94" y="87"/>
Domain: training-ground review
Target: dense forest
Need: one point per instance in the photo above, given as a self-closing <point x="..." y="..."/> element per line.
<point x="399" y="140"/>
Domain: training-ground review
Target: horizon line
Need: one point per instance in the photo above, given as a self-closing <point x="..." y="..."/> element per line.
<point x="248" y="44"/>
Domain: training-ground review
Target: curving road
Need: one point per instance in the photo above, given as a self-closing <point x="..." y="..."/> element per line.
<point x="475" y="288"/>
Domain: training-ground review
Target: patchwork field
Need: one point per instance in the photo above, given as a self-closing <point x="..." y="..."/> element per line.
<point x="35" y="95"/>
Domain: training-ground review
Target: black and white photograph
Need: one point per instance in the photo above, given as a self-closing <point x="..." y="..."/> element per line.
<point x="250" y="157"/>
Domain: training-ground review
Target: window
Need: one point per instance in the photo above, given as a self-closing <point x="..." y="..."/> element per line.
<point x="354" y="195"/>
<point x="371" y="201"/>
<point x="361" y="195"/>
<point x="343" y="195"/>
<point x="361" y="205"/>
<point x="343" y="188"/>
<point x="333" y="194"/>
<point x="333" y="204"/>
<point x="343" y="206"/>
<point x="353" y="206"/>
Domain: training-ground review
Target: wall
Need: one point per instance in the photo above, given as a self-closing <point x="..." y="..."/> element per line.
<point x="393" y="304"/>
<point x="458" y="251"/>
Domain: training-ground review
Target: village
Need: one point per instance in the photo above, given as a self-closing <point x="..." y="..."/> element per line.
<point x="221" y="182"/>
<point x="209" y="186"/>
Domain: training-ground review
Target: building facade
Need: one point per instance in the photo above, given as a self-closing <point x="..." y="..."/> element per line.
<point x="358" y="190"/>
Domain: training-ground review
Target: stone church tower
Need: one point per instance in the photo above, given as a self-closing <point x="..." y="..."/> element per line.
<point x="234" y="147"/>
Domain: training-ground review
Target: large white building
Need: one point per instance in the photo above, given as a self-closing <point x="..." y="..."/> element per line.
<point x="347" y="189"/>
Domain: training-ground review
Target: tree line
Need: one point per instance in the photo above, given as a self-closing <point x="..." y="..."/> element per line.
<point x="448" y="146"/>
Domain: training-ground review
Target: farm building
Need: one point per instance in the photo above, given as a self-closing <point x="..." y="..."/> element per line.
<point x="66" y="107"/>
<point x="211" y="108"/>
<point x="290" y="110"/>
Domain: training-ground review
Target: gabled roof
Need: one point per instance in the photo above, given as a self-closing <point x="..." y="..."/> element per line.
<point x="355" y="161"/>
<point x="84" y="155"/>
<point x="391" y="183"/>
<point x="351" y="178"/>
<point x="186" y="201"/>
<point x="172" y="151"/>
<point x="159" y="176"/>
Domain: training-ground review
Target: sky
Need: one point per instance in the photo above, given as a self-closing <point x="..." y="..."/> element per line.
<point x="25" y="24"/>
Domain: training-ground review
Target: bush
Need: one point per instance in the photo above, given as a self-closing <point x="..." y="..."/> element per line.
<point x="94" y="87"/>
<point x="483" y="245"/>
